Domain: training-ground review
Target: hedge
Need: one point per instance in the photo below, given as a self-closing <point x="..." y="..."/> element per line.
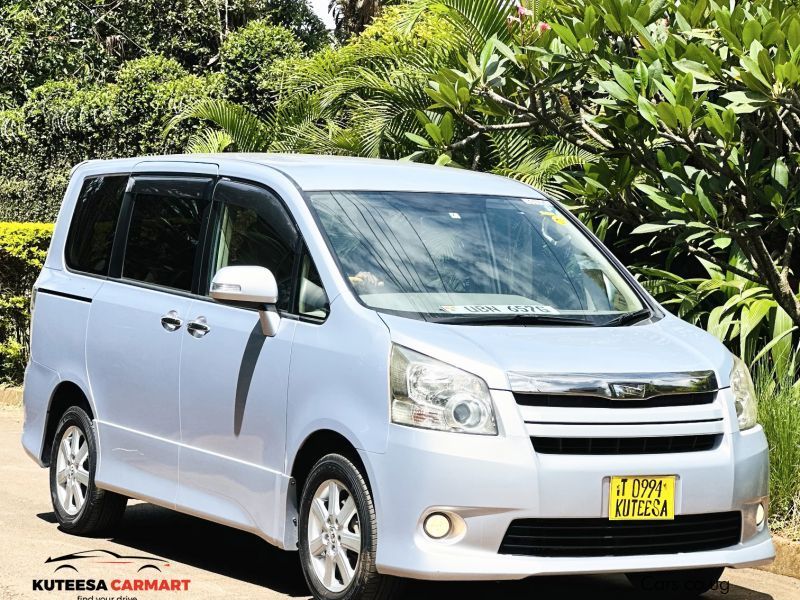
<point x="64" y="122"/>
<point x="23" y="249"/>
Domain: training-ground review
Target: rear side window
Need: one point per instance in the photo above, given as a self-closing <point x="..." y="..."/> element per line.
<point x="167" y="219"/>
<point x="94" y="222"/>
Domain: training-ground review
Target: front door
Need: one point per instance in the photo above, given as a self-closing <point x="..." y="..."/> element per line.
<point x="234" y="379"/>
<point x="136" y="324"/>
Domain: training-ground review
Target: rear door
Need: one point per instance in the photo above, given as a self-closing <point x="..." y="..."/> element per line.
<point x="135" y="331"/>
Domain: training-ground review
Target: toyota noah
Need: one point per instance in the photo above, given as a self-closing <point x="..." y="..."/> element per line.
<point x="400" y="371"/>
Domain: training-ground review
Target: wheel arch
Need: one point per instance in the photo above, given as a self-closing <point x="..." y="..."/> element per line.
<point x="65" y="395"/>
<point x="314" y="446"/>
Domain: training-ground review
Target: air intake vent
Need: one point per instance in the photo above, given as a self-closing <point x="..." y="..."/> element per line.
<point x="601" y="537"/>
<point x="625" y="445"/>
<point x="585" y="401"/>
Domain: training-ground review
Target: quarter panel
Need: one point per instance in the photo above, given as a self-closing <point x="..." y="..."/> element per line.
<point x="58" y="332"/>
<point x="39" y="385"/>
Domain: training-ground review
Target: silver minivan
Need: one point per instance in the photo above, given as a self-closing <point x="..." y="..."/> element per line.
<point x="400" y="371"/>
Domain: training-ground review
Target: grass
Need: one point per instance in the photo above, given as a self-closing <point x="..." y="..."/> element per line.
<point x="779" y="414"/>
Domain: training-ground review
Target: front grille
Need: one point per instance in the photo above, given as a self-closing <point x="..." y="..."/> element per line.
<point x="625" y="445"/>
<point x="582" y="401"/>
<point x="602" y="537"/>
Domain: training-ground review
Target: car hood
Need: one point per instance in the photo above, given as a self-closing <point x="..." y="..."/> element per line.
<point x="491" y="352"/>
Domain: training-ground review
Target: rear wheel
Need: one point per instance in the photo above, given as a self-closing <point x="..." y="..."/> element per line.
<point x="675" y="584"/>
<point x="338" y="534"/>
<point x="80" y="507"/>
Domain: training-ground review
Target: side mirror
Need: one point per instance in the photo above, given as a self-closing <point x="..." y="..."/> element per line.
<point x="254" y="286"/>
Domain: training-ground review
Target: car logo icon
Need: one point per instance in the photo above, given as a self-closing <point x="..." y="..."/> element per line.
<point x="628" y="391"/>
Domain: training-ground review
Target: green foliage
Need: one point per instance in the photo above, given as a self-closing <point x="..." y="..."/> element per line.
<point x="352" y="17"/>
<point x="779" y="414"/>
<point x="248" y="60"/>
<point x="241" y="129"/>
<point x="298" y="17"/>
<point x="23" y="249"/>
<point x="88" y="40"/>
<point x="700" y="103"/>
<point x="679" y="124"/>
<point x="739" y="312"/>
<point x="64" y="122"/>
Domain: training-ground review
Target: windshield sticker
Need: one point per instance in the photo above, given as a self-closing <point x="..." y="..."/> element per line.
<point x="556" y="218"/>
<point x="455" y="215"/>
<point x="500" y="309"/>
<point x="535" y="202"/>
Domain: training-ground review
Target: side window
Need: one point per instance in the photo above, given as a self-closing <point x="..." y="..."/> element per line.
<point x="166" y="224"/>
<point x="94" y="222"/>
<point x="312" y="301"/>
<point x="254" y="230"/>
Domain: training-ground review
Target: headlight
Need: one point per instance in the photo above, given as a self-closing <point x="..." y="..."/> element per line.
<point x="744" y="394"/>
<point x="431" y="394"/>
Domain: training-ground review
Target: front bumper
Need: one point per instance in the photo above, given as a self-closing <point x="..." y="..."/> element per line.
<point x="489" y="481"/>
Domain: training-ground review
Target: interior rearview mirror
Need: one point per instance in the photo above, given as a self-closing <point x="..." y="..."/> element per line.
<point x="249" y="285"/>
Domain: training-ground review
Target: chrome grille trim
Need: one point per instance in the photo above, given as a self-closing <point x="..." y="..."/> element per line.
<point x="611" y="385"/>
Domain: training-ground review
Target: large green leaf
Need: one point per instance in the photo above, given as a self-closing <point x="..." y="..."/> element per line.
<point x="245" y="130"/>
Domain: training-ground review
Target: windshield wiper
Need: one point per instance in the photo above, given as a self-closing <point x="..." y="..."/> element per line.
<point x="520" y="319"/>
<point x="628" y="318"/>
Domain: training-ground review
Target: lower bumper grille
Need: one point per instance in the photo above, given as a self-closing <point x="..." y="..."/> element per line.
<point x="601" y="537"/>
<point x="626" y="445"/>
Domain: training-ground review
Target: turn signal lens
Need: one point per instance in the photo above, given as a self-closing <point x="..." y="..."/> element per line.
<point x="744" y="395"/>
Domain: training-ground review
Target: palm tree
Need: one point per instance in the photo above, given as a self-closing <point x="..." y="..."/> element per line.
<point x="378" y="97"/>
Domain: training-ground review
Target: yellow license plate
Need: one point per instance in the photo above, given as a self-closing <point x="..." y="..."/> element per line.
<point x="642" y="498"/>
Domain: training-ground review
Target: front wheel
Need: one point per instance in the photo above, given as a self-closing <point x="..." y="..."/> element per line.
<point x="338" y="534"/>
<point x="80" y="507"/>
<point x="676" y="584"/>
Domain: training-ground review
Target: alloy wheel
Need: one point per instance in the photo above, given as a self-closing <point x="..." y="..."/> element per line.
<point x="334" y="535"/>
<point x="72" y="470"/>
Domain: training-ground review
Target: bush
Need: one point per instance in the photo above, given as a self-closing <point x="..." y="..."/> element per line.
<point x="779" y="414"/>
<point x="248" y="62"/>
<point x="63" y="123"/>
<point x="89" y="40"/>
<point x="23" y="249"/>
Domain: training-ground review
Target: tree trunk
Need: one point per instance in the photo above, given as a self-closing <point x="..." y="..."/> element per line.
<point x="775" y="278"/>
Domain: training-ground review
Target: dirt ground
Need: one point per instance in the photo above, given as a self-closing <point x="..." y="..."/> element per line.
<point x="220" y="562"/>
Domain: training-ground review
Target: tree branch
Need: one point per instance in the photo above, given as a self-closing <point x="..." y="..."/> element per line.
<point x="787" y="252"/>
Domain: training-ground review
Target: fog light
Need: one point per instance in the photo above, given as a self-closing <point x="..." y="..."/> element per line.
<point x="760" y="515"/>
<point x="437" y="525"/>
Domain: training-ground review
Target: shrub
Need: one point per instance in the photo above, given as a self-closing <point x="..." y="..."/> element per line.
<point x="23" y="249"/>
<point x="63" y="123"/>
<point x="89" y="40"/>
<point x="248" y="58"/>
<point x="779" y="414"/>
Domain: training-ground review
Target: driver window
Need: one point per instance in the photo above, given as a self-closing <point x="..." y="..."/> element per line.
<point x="254" y="230"/>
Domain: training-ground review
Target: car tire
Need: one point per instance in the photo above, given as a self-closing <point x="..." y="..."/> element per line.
<point x="329" y="537"/>
<point x="80" y="507"/>
<point x="675" y="584"/>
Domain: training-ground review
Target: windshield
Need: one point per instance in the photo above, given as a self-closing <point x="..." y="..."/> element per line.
<point x="451" y="257"/>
